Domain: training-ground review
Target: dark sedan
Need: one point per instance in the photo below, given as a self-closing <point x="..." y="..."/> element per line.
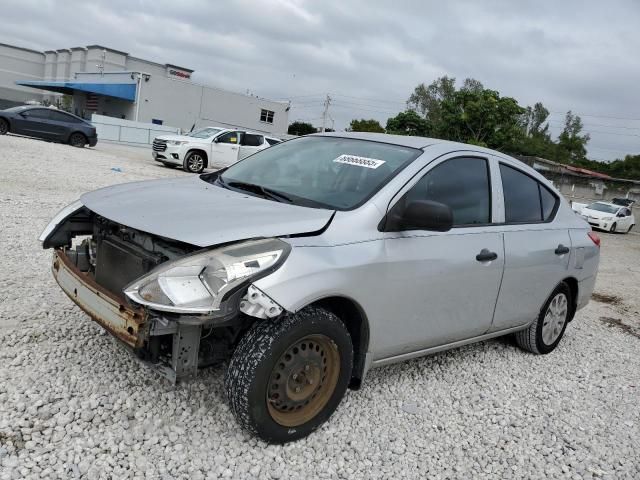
<point x="49" y="124"/>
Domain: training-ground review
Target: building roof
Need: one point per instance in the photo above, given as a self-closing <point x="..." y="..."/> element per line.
<point x="178" y="67"/>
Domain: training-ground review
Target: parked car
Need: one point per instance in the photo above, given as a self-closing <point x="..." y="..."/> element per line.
<point x="211" y="146"/>
<point x="48" y="124"/>
<point x="609" y="216"/>
<point x="311" y="262"/>
<point x="625" y="202"/>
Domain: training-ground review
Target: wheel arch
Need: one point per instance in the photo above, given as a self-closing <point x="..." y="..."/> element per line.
<point x="201" y="151"/>
<point x="353" y="316"/>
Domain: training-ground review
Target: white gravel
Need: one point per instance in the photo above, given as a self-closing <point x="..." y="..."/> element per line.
<point x="74" y="405"/>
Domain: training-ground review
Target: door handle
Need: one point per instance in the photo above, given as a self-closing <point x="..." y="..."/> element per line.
<point x="561" y="250"/>
<point x="486" y="256"/>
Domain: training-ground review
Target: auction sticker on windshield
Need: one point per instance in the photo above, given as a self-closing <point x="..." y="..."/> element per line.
<point x="359" y="161"/>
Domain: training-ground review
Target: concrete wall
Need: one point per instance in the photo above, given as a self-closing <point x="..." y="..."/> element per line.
<point x="128" y="132"/>
<point x="19" y="64"/>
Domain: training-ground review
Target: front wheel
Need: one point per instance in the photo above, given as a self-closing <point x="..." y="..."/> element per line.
<point x="613" y="227"/>
<point x="77" y="140"/>
<point x="544" y="335"/>
<point x="287" y="376"/>
<point x="194" y="162"/>
<point x="4" y="126"/>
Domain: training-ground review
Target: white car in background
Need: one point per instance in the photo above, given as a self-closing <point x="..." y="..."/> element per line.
<point x="208" y="147"/>
<point x="607" y="216"/>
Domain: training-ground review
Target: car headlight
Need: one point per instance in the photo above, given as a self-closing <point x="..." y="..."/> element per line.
<point x="60" y="217"/>
<point x="608" y="219"/>
<point x="198" y="283"/>
<point x="175" y="142"/>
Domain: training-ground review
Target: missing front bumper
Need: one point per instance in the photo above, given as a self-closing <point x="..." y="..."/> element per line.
<point x="132" y="327"/>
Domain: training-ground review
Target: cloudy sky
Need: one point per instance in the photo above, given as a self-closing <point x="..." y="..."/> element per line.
<point x="579" y="55"/>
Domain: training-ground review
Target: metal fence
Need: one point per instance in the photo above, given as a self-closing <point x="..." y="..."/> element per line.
<point x="129" y="132"/>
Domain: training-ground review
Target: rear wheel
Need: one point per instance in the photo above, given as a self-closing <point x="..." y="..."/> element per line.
<point x="77" y="140"/>
<point x="194" y="162"/>
<point x="287" y="376"/>
<point x="4" y="126"/>
<point x="544" y="335"/>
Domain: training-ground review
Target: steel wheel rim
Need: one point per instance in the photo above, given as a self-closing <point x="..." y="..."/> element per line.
<point x="303" y="380"/>
<point x="76" y="140"/>
<point x="195" y="163"/>
<point x="555" y="318"/>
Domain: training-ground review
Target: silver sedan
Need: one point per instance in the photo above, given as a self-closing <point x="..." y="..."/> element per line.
<point x="311" y="262"/>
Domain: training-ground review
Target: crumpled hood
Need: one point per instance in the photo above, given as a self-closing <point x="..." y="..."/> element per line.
<point x="193" y="211"/>
<point x="596" y="213"/>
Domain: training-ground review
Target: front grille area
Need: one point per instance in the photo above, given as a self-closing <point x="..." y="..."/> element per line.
<point x="118" y="264"/>
<point x="159" y="145"/>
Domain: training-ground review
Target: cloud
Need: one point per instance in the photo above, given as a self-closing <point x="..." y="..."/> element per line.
<point x="370" y="55"/>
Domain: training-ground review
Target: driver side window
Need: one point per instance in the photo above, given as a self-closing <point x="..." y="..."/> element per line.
<point x="460" y="183"/>
<point x="229" y="137"/>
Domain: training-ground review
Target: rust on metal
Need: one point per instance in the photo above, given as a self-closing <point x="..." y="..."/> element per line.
<point x="105" y="308"/>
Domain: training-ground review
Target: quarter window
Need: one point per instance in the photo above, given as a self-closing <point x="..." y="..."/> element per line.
<point x="460" y="183"/>
<point x="266" y="116"/>
<point x="525" y="199"/>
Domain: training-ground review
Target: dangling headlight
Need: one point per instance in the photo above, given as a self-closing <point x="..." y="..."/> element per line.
<point x="198" y="283"/>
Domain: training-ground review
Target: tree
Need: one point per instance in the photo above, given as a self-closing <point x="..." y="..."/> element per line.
<point x="363" y="125"/>
<point x="428" y="100"/>
<point x="571" y="143"/>
<point x="301" y="128"/>
<point x="407" y="123"/>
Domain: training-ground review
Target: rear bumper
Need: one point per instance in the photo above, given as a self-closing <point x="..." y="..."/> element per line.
<point x="585" y="290"/>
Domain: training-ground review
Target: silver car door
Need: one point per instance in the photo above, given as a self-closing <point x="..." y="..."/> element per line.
<point x="537" y="249"/>
<point x="442" y="285"/>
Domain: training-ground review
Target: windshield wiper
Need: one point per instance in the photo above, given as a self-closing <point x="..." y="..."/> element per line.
<point x="266" y="192"/>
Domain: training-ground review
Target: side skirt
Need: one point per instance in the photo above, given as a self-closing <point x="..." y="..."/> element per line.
<point x="447" y="346"/>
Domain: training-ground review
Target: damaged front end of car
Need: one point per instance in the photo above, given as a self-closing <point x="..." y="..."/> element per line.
<point x="176" y="306"/>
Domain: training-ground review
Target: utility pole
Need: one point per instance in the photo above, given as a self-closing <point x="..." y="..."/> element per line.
<point x="327" y="102"/>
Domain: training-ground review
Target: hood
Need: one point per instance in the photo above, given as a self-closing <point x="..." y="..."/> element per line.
<point x="193" y="211"/>
<point x="182" y="138"/>
<point x="596" y="213"/>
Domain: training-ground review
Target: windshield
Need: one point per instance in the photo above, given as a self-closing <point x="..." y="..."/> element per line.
<point x="603" y="207"/>
<point x="330" y="172"/>
<point x="204" y="133"/>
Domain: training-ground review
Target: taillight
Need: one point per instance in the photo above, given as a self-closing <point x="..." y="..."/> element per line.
<point x="594" y="238"/>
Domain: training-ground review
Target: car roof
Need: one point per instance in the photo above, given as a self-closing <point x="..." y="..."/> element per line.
<point x="407" y="141"/>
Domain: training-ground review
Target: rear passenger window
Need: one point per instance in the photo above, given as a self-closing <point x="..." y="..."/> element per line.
<point x="460" y="183"/>
<point x="251" y="140"/>
<point x="525" y="199"/>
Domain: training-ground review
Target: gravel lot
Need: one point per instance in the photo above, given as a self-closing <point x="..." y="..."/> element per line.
<point x="73" y="404"/>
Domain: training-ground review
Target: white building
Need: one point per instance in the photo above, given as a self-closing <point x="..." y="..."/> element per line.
<point x="109" y="82"/>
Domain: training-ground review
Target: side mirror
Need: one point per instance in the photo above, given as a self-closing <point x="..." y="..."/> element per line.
<point x="419" y="215"/>
<point x="215" y="140"/>
<point x="621" y="214"/>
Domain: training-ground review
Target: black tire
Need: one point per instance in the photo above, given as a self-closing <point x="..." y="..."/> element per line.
<point x="77" y="140"/>
<point x="169" y="165"/>
<point x="4" y="126"/>
<point x="254" y="373"/>
<point x="532" y="338"/>
<point x="614" y="227"/>
<point x="630" y="227"/>
<point x="194" y="162"/>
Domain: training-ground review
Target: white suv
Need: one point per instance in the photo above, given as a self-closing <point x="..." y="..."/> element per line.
<point x="208" y="147"/>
